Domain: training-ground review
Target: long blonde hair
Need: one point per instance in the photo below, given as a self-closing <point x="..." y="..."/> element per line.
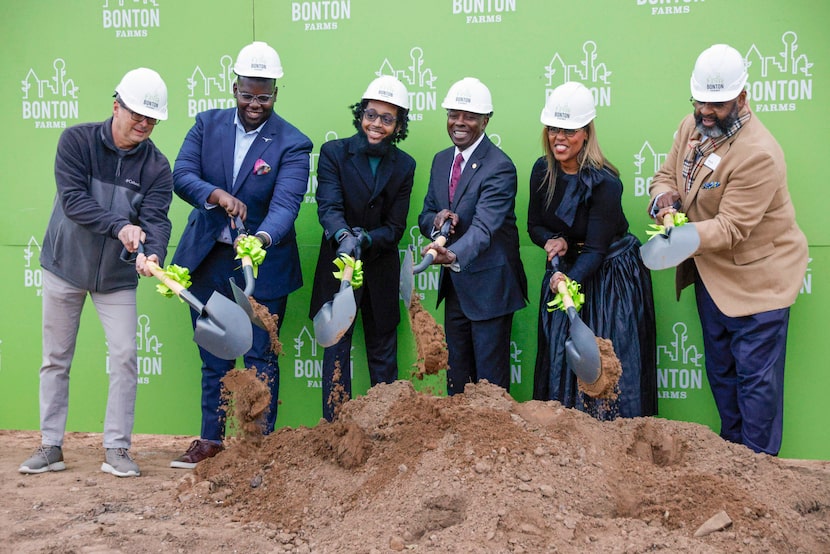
<point x="590" y="155"/>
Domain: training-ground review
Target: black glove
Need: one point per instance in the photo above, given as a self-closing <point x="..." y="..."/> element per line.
<point x="348" y="243"/>
<point x="363" y="236"/>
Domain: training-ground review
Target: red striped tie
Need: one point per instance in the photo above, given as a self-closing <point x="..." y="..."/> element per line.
<point x="455" y="175"/>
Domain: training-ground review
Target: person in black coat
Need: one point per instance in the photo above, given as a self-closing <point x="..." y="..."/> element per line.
<point x="575" y="214"/>
<point x="363" y="188"/>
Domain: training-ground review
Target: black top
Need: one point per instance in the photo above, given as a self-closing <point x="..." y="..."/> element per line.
<point x="590" y="228"/>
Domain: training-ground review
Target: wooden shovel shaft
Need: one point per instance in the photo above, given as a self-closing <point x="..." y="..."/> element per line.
<point x="668" y="220"/>
<point x="172" y="284"/>
<point x="440" y="241"/>
<point x="566" y="298"/>
<point x="348" y="271"/>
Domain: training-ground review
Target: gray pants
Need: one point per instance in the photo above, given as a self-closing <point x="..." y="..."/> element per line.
<point x="62" y="306"/>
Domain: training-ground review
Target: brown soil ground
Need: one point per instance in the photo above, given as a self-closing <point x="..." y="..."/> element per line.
<point x="405" y="471"/>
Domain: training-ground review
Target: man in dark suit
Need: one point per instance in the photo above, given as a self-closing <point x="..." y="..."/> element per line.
<point x="363" y="188"/>
<point x="249" y="163"/>
<point x="473" y="184"/>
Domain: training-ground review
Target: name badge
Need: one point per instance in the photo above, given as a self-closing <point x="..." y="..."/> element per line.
<point x="712" y="161"/>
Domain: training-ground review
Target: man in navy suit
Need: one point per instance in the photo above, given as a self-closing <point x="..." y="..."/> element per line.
<point x="249" y="163"/>
<point x="363" y="188"/>
<point x="473" y="184"/>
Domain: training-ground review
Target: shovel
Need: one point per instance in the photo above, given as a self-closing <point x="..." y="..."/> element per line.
<point x="241" y="296"/>
<point x="670" y="248"/>
<point x="581" y="348"/>
<point x="336" y="316"/>
<point x="407" y="280"/>
<point x="222" y="328"/>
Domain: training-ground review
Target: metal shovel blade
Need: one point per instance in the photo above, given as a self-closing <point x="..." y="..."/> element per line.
<point x="407" y="278"/>
<point x="223" y="328"/>
<point x="335" y="316"/>
<point x="670" y="249"/>
<point x="581" y="350"/>
<point x="241" y="296"/>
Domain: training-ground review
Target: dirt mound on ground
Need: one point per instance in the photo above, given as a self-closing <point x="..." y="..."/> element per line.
<point x="479" y="472"/>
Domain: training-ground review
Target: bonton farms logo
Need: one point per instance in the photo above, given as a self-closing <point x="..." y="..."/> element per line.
<point x="52" y="100"/>
<point x="322" y="15"/>
<point x="307" y="366"/>
<point x="669" y="7"/>
<point x="679" y="367"/>
<point x="130" y="18"/>
<point x="310" y="196"/>
<point x="482" y="11"/>
<point x="647" y="161"/>
<point x="149" y="352"/>
<point x="212" y="89"/>
<point x="32" y="272"/>
<point x="419" y="81"/>
<point x="588" y="70"/>
<point x="779" y="77"/>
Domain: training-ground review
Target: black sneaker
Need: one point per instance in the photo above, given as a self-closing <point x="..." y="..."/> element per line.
<point x="46" y="458"/>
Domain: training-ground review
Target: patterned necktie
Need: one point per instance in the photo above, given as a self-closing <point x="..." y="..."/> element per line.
<point x="455" y="175"/>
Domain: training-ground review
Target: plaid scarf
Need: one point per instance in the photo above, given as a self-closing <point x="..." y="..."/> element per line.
<point x="699" y="150"/>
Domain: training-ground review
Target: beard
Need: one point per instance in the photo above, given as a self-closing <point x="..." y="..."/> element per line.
<point x="380" y="149"/>
<point x="722" y="125"/>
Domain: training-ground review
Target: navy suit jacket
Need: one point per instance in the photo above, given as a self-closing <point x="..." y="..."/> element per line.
<point x="205" y="162"/>
<point x="349" y="195"/>
<point x="492" y="281"/>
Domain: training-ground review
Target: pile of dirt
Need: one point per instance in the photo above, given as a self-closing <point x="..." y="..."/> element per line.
<point x="481" y="473"/>
<point x="400" y="470"/>
<point x="432" y="355"/>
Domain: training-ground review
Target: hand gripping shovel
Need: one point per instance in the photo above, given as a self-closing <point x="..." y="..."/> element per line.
<point x="670" y="248"/>
<point x="441" y="240"/>
<point x="222" y="328"/>
<point x="581" y="348"/>
<point x="241" y="296"/>
<point x="336" y="316"/>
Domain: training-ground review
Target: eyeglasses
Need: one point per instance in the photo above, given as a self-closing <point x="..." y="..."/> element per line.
<point x="714" y="105"/>
<point x="553" y="131"/>
<point x="260" y="98"/>
<point x="137" y="117"/>
<point x="386" y="119"/>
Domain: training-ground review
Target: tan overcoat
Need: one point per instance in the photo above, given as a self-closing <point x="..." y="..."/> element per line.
<point x="752" y="255"/>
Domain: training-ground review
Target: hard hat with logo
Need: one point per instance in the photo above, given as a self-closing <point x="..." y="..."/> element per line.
<point x="569" y="106"/>
<point x="469" y="95"/>
<point x="388" y="89"/>
<point x="719" y="75"/>
<point x="258" y="60"/>
<point x="143" y="91"/>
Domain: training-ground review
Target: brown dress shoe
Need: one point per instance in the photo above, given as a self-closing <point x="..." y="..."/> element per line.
<point x="197" y="451"/>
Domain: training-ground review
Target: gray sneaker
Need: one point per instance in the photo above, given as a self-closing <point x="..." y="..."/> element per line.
<point x="120" y="464"/>
<point x="45" y="458"/>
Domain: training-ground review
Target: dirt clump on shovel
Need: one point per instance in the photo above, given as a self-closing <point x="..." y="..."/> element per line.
<point x="429" y="340"/>
<point x="271" y="323"/>
<point x="246" y="398"/>
<point x="607" y="385"/>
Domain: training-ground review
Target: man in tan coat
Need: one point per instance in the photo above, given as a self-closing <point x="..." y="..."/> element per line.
<point x="728" y="174"/>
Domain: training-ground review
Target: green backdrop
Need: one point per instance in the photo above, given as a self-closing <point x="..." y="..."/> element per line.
<point x="63" y="60"/>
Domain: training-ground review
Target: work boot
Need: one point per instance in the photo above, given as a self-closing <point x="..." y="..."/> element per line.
<point x="197" y="451"/>
<point x="45" y="458"/>
<point x="119" y="463"/>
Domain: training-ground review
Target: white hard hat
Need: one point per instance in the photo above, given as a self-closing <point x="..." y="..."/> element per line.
<point x="388" y="89"/>
<point x="469" y="95"/>
<point x="258" y="60"/>
<point x="719" y="75"/>
<point x="143" y="91"/>
<point x="569" y="106"/>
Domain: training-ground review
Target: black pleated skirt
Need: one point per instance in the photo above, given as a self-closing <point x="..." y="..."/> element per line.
<point x="619" y="306"/>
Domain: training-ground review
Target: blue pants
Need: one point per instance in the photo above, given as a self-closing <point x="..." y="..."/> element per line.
<point x="745" y="367"/>
<point x="212" y="275"/>
<point x="477" y="349"/>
